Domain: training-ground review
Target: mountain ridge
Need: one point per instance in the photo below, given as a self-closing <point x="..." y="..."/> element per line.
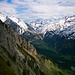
<point x="59" y="27"/>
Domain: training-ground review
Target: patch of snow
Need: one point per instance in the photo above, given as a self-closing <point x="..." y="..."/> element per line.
<point x="2" y="17"/>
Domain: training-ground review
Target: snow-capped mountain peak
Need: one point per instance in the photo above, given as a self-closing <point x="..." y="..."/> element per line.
<point x="15" y="22"/>
<point x="19" y="22"/>
<point x="53" y="25"/>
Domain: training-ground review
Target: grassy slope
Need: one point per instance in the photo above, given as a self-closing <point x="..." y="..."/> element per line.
<point x="5" y="69"/>
<point x="56" y="58"/>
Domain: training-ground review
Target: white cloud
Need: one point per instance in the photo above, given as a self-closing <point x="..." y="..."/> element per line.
<point x="7" y="9"/>
<point x="34" y="9"/>
<point x="44" y="11"/>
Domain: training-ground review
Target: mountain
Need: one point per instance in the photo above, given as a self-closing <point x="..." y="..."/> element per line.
<point x="18" y="24"/>
<point x="43" y="26"/>
<point x="23" y="29"/>
<point x="53" y="38"/>
<point x="64" y="39"/>
<point x="19" y="57"/>
<point x="58" y="41"/>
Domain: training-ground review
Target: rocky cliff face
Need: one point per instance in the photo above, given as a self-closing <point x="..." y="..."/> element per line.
<point x="19" y="57"/>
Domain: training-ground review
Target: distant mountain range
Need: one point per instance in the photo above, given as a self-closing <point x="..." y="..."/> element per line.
<point x="64" y="26"/>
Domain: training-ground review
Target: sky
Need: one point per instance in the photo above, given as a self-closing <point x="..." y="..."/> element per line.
<point x="30" y="10"/>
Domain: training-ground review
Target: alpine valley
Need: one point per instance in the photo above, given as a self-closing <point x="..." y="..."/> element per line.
<point x="43" y="47"/>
